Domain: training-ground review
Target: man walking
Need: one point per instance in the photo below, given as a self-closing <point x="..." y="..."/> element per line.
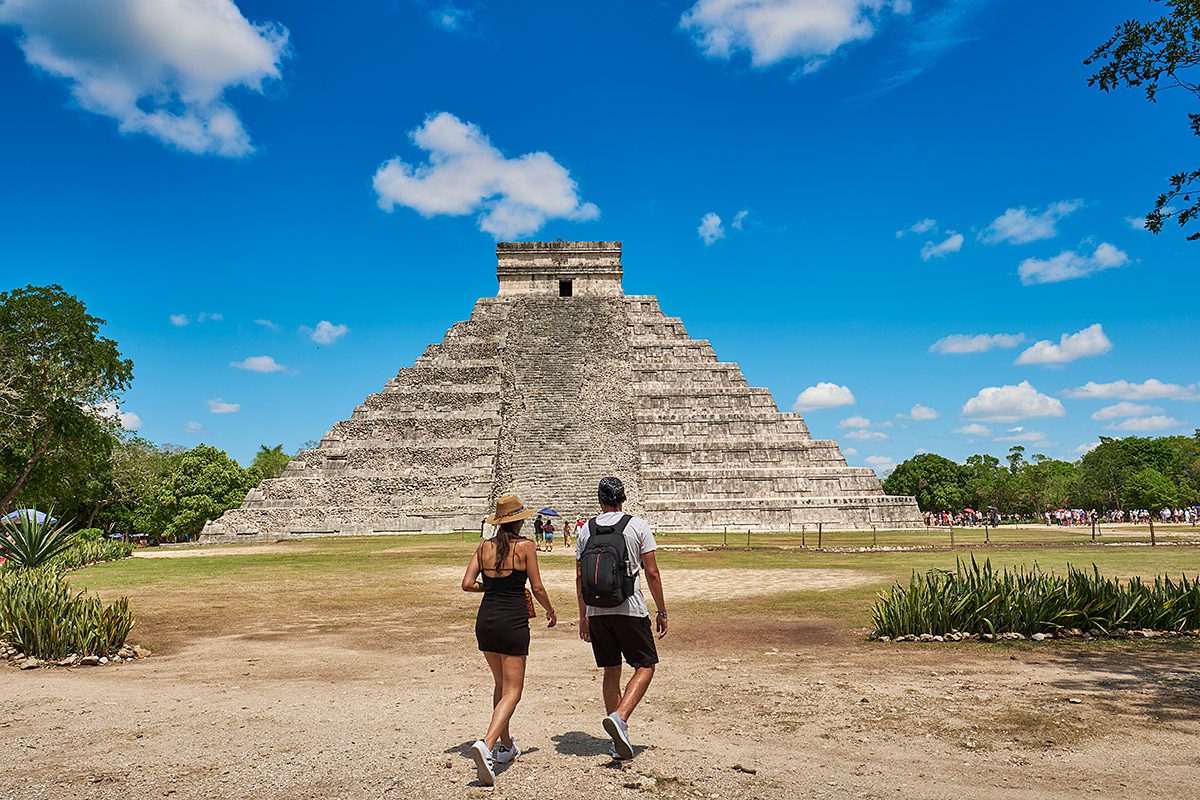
<point x="612" y="552"/>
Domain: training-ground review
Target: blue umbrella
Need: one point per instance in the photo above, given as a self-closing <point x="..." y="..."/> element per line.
<point x="27" y="513"/>
<point x="549" y="512"/>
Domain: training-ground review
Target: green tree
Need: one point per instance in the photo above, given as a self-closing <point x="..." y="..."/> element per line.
<point x="197" y="485"/>
<point x="987" y="482"/>
<point x="58" y="373"/>
<point x="1150" y="489"/>
<point x="1163" y="53"/>
<point x="270" y="461"/>
<point x="1051" y="484"/>
<point x="938" y="483"/>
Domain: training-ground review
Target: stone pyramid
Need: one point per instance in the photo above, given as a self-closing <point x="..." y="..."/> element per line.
<point x="557" y="381"/>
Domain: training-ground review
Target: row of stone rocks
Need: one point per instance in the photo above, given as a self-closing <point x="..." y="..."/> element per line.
<point x="1065" y="633"/>
<point x="126" y="653"/>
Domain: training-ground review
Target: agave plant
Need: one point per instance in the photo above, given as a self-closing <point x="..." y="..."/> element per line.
<point x="33" y="539"/>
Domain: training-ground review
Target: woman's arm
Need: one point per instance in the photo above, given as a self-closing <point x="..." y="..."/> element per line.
<point x="535" y="582"/>
<point x="470" y="581"/>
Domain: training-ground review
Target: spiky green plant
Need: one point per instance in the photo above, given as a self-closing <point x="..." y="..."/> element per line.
<point x="41" y="616"/>
<point x="977" y="598"/>
<point x="26" y="543"/>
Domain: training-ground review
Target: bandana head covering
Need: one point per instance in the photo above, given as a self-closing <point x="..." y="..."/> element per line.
<point x="612" y="491"/>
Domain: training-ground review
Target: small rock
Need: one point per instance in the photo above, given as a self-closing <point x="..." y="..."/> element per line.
<point x="89" y="661"/>
<point x="939" y="638"/>
<point x="30" y="663"/>
<point x="1038" y="637"/>
<point x="103" y="659"/>
<point x="140" y="651"/>
<point x="1074" y="700"/>
<point x="747" y="770"/>
<point x="69" y="661"/>
<point x="926" y="637"/>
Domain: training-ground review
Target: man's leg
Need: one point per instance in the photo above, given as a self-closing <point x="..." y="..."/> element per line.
<point x="612" y="688"/>
<point x="634" y="691"/>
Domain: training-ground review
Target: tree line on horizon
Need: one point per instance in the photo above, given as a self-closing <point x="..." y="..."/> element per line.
<point x="1146" y="473"/>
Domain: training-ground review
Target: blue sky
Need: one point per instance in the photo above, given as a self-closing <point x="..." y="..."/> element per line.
<point x="885" y="174"/>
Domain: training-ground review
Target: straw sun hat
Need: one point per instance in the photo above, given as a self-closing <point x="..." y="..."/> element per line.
<point x="509" y="509"/>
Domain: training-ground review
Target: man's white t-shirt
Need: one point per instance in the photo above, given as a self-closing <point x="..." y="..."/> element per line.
<point x="638" y="540"/>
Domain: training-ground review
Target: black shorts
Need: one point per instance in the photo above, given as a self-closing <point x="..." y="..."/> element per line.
<point x="616" y="635"/>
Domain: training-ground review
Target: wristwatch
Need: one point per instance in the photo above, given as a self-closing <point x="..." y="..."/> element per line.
<point x="662" y="613"/>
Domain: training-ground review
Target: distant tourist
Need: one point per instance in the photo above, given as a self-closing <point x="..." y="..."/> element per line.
<point x="502" y="625"/>
<point x="538" y="533"/>
<point x="549" y="535"/>
<point x="567" y="525"/>
<point x="612" y="552"/>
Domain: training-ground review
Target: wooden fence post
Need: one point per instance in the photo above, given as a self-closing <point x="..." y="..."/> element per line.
<point x="803" y="540"/>
<point x="725" y="537"/>
<point x="820" y="529"/>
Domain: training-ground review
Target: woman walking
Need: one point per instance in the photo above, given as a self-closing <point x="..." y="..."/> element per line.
<point x="505" y="562"/>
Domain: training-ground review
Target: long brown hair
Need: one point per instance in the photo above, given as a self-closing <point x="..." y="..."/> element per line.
<point x="506" y="534"/>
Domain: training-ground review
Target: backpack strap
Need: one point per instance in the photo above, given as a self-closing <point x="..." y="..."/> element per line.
<point x="624" y="521"/>
<point x="592" y="526"/>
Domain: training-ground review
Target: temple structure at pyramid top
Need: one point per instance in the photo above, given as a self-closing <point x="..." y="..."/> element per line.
<point x="557" y="381"/>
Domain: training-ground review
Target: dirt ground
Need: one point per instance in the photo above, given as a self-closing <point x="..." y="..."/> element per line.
<point x="268" y="701"/>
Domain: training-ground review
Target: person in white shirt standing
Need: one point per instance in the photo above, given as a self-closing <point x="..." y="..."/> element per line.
<point x="612" y="551"/>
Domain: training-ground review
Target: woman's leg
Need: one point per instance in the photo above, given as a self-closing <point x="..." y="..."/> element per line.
<point x="513" y="673"/>
<point x="494" y="661"/>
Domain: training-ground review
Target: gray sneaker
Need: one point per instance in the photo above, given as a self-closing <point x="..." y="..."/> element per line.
<point x="618" y="729"/>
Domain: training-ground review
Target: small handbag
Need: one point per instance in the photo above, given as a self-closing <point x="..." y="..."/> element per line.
<point x="529" y="604"/>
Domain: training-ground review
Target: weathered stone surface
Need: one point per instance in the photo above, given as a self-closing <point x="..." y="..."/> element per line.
<point x="543" y="394"/>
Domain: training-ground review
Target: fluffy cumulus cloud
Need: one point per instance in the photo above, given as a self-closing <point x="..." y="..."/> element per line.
<point x="772" y="31"/>
<point x="1069" y="265"/>
<point x="157" y="67"/>
<point x="920" y="226"/>
<point x="710" y="229"/>
<point x="855" y="422"/>
<point x="258" y="364"/>
<point x="1157" y="422"/>
<point x="951" y="244"/>
<point x="884" y="465"/>
<point x="326" y="332"/>
<point x="850" y="452"/>
<point x="823" y="395"/>
<point x="1151" y="389"/>
<point x="467" y="174"/>
<point x="179" y="320"/>
<point x="268" y="324"/>
<point x="219" y="406"/>
<point x="191" y="426"/>
<point x="1012" y="403"/>
<point x="1086" y="448"/>
<point x="864" y="435"/>
<point x="1019" y="434"/>
<point x="1021" y="226"/>
<point x="960" y="343"/>
<point x="1091" y="341"/>
<point x="1124" y="409"/>
<point x="974" y="429"/>
<point x="920" y="413"/>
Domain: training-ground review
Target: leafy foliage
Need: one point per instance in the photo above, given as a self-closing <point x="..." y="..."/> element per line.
<point x="938" y="483"/>
<point x="26" y="543"/>
<point x="41" y="616"/>
<point x="270" y="461"/>
<point x="1160" y="54"/>
<point x="196" y="486"/>
<point x="977" y="598"/>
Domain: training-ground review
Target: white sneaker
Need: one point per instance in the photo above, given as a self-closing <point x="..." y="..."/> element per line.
<point x="618" y="729"/>
<point x="612" y="751"/>
<point x="485" y="765"/>
<point x="503" y="754"/>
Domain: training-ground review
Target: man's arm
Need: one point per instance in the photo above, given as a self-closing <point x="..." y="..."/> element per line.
<point x="584" y="631"/>
<point x="654" y="581"/>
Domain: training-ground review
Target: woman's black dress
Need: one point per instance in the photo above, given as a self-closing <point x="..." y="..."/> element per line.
<point x="502" y="625"/>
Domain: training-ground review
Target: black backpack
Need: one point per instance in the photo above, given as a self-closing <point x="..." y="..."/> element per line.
<point x="604" y="565"/>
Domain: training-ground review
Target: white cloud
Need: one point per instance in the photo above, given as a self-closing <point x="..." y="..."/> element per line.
<point x="920" y="413"/>
<point x="864" y="435"/>
<point x="1091" y="341"/>
<point x="883" y="465"/>
<point x="850" y="452"/>
<point x="209" y="316"/>
<point x="466" y="174"/>
<point x="326" y="332"/>
<point x="777" y="30"/>
<point x="739" y="219"/>
<point x="959" y="343"/>
<point x="974" y="429"/>
<point x="451" y="17"/>
<point x="1144" y="424"/>
<point x="268" y="324"/>
<point x="1139" y="223"/>
<point x="1152" y="389"/>
<point x="1069" y="265"/>
<point x="920" y="226"/>
<point x="1011" y="403"/>
<point x="158" y="67"/>
<point x="258" y="364"/>
<point x="1124" y="409"/>
<point x="1086" y="448"/>
<point x="109" y="410"/>
<point x="1019" y="226"/>
<point x="1020" y="434"/>
<point x="191" y="426"/>
<point x="179" y="320"/>
<point x="855" y="422"/>
<point x="823" y="395"/>
<point x="710" y="229"/>
<point x="219" y="406"/>
<point x="952" y="244"/>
